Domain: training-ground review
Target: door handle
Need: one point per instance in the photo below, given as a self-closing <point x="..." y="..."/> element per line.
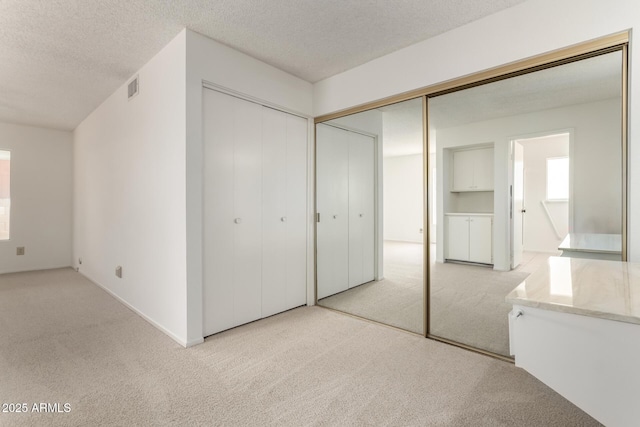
<point x="283" y="219"/>
<point x="523" y="211"/>
<point x="238" y="220"/>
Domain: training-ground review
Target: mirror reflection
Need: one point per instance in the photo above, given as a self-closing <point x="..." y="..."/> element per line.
<point x="369" y="203"/>
<point x="525" y="168"/>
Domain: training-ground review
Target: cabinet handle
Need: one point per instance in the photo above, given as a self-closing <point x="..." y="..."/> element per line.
<point x="361" y="215"/>
<point x="238" y="220"/>
<point x="335" y="217"/>
<point x="283" y="219"/>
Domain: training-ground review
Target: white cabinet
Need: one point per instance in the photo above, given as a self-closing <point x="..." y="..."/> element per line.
<point x="472" y="170"/>
<point x="254" y="221"/>
<point x="469" y="238"/>
<point x="345" y="183"/>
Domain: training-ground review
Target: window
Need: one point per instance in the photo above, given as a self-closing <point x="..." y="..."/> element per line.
<point x="558" y="179"/>
<point x="5" y="197"/>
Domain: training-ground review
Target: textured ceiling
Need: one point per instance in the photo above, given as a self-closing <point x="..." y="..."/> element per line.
<point x="59" y="59"/>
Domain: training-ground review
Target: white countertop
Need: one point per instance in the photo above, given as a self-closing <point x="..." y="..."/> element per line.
<point x="468" y="214"/>
<point x="588" y="242"/>
<point x="595" y="288"/>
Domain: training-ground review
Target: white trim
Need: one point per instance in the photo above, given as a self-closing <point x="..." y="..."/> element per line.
<point x="144" y="316"/>
<point x="212" y="86"/>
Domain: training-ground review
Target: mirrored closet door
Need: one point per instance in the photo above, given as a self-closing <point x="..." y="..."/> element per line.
<point x="370" y="209"/>
<point x="525" y="168"/>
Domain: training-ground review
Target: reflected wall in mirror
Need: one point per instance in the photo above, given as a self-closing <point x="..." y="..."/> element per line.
<point x="369" y="225"/>
<point x="526" y="168"/>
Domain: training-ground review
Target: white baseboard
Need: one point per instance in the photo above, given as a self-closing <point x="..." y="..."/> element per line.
<point x="171" y="335"/>
<point x="28" y="269"/>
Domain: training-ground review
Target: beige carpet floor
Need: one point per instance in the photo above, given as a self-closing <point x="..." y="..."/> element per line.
<point x="64" y="340"/>
<point x="467" y="302"/>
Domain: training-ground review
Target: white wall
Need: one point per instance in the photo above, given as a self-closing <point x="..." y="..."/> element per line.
<point x="539" y="235"/>
<point x="41" y="198"/>
<point x="403" y="200"/>
<point x="129" y="188"/>
<point x="496" y="40"/>
<point x="215" y="63"/>
<point x="593" y="124"/>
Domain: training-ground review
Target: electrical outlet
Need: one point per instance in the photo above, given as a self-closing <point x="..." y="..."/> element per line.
<point x="20" y="250"/>
<point x="119" y="271"/>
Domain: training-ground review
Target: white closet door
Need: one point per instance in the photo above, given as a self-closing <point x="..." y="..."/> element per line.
<point x="296" y="216"/>
<point x="332" y="201"/>
<point x="274" y="205"/>
<point x="247" y="182"/>
<point x="218" y="212"/>
<point x="361" y="208"/>
<point x="284" y="178"/>
<point x="232" y="250"/>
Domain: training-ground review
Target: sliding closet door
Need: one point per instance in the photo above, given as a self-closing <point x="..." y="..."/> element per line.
<point x="332" y="201"/>
<point x="284" y="211"/>
<point x="361" y="208"/>
<point x="232" y="211"/>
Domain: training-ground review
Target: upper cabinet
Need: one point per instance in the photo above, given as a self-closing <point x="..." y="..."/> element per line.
<point x="472" y="169"/>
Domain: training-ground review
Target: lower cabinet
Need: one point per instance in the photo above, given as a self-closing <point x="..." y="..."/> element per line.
<point x="469" y="238"/>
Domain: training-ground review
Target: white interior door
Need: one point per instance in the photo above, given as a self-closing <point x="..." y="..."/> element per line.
<point x="518" y="208"/>
<point x="332" y="201"/>
<point x="247" y="192"/>
<point x="232" y="211"/>
<point x="361" y="209"/>
<point x="296" y="213"/>
<point x="274" y="208"/>
<point x="218" y="212"/>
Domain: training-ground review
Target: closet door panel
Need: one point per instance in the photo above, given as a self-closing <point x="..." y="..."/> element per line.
<point x="274" y="208"/>
<point x="332" y="199"/>
<point x="361" y="194"/>
<point x="247" y="182"/>
<point x="218" y="239"/>
<point x="296" y="220"/>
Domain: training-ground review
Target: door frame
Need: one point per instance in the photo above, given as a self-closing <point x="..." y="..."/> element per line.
<point x="534" y="135"/>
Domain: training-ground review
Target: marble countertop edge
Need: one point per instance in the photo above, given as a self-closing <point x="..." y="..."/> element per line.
<point x="569" y="309"/>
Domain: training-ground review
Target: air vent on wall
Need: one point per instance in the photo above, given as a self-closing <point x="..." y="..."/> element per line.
<point x="132" y="88"/>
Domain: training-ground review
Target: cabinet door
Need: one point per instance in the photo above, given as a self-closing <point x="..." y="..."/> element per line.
<point x="361" y="209"/>
<point x="480" y="237"/>
<point x="463" y="164"/>
<point x="483" y="169"/>
<point x="332" y="201"/>
<point x="458" y="238"/>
